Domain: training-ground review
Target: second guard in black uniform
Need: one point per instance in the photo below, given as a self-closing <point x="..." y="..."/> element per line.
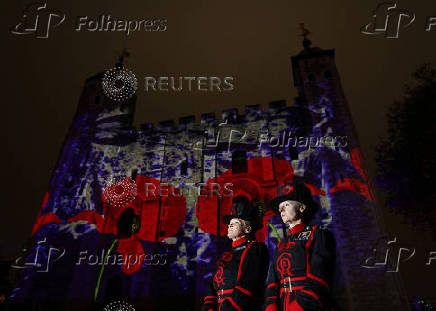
<point x="238" y="283"/>
<point x="300" y="274"/>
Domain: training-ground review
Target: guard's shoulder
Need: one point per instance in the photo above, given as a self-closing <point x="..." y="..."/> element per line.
<point x="325" y="234"/>
<point x="284" y="241"/>
<point x="310" y="232"/>
<point x="310" y="228"/>
<point x="323" y="229"/>
<point x="317" y="228"/>
<point x="258" y="245"/>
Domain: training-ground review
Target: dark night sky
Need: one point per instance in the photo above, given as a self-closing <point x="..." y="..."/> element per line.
<point x="249" y="40"/>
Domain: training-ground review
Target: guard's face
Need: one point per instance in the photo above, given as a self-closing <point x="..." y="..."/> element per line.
<point x="235" y="229"/>
<point x="288" y="211"/>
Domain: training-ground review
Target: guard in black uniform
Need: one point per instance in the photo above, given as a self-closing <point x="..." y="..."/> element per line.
<point x="238" y="283"/>
<point x="301" y="270"/>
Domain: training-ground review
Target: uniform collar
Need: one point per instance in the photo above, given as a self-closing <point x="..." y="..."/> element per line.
<point x="239" y="241"/>
<point x="297" y="228"/>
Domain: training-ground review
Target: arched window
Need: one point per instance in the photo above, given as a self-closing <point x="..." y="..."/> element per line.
<point x="82" y="186"/>
<point x="128" y="223"/>
<point x="293" y="152"/>
<point x="97" y="100"/>
<point x="184" y="168"/>
<point x="311" y="77"/>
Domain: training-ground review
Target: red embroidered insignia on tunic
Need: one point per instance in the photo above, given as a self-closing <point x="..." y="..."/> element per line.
<point x="245" y="291"/>
<point x="285" y="246"/>
<point x="219" y="277"/>
<point x="227" y="256"/>
<point x="287" y="189"/>
<point x="225" y="259"/>
<point x="284" y="265"/>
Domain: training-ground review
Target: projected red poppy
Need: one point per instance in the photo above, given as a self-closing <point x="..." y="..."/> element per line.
<point x="161" y="209"/>
<point x="259" y="183"/>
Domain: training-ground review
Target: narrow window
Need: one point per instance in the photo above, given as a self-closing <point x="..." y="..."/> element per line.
<point x="293" y="152"/>
<point x="82" y="186"/>
<point x="133" y="175"/>
<point x="184" y="168"/>
<point x="239" y="162"/>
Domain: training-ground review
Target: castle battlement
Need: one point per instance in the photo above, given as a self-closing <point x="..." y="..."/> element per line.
<point x="253" y="113"/>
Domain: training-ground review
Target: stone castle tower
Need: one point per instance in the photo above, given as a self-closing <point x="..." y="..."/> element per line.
<point x="99" y="201"/>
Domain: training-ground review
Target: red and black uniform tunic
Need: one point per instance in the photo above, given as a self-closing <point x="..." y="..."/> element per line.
<point x="238" y="284"/>
<point x="301" y="271"/>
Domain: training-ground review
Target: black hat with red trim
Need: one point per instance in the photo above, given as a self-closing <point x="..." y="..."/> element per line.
<point x="243" y="209"/>
<point x="294" y="192"/>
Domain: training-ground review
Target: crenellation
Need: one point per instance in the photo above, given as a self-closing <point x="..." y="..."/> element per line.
<point x="208" y="117"/>
<point x="230" y="116"/>
<point x="165" y="126"/>
<point x="146" y="128"/>
<point x="276" y="106"/>
<point x="253" y="112"/>
<point x="187" y="120"/>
